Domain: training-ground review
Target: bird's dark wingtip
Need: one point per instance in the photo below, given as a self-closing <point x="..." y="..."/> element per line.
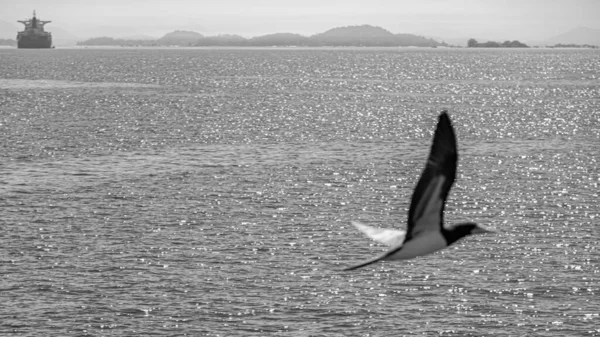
<point x="353" y="267"/>
<point x="444" y="117"/>
<point x="366" y="263"/>
<point x="445" y="128"/>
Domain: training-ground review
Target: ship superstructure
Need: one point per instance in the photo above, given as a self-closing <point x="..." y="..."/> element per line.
<point x="34" y="35"/>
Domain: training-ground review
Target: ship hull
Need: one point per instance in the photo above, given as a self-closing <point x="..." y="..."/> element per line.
<point x="34" y="41"/>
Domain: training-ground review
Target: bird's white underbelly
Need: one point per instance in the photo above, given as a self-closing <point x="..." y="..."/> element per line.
<point x="424" y="244"/>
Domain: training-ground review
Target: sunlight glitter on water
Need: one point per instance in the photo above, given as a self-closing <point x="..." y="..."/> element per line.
<point x="217" y="201"/>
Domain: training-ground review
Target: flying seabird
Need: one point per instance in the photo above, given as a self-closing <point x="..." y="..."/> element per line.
<point x="426" y="233"/>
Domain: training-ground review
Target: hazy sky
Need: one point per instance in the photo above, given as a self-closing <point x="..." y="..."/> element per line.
<point x="494" y="19"/>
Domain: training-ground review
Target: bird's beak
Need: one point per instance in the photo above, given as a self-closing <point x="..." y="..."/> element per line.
<point x="481" y="230"/>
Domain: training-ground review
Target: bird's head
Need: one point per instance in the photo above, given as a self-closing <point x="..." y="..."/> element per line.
<point x="461" y="230"/>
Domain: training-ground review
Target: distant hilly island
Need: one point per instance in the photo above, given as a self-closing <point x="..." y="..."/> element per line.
<point x="355" y="36"/>
<point x="359" y="36"/>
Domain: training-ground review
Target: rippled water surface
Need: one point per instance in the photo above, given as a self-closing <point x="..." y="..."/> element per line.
<point x="209" y="191"/>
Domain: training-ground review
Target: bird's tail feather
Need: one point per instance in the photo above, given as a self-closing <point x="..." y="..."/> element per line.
<point x="390" y="237"/>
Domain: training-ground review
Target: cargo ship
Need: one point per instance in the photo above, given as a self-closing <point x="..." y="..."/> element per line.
<point x="34" y="35"/>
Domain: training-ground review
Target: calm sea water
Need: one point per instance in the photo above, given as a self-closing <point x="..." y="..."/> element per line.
<point x="208" y="192"/>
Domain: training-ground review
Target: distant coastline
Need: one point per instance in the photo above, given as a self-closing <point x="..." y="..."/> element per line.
<point x="8" y="42"/>
<point x="472" y="43"/>
<point x="572" y="45"/>
<point x="351" y="36"/>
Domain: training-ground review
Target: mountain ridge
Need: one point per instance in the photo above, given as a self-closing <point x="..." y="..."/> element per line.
<point x="358" y="35"/>
<point x="579" y="35"/>
<point x="363" y="35"/>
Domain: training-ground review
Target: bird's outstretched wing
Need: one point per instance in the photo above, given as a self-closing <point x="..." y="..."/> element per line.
<point x="426" y="211"/>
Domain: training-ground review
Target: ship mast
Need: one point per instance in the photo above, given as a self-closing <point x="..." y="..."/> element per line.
<point x="34" y="22"/>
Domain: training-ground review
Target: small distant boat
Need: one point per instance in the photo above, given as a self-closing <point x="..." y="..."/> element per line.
<point x="34" y="35"/>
